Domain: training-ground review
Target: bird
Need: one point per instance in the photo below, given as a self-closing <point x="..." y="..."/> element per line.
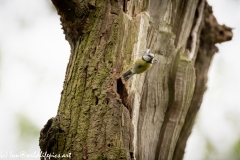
<point x="140" y="65"/>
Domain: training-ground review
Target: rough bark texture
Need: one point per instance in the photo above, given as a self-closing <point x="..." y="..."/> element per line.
<point x="150" y="117"/>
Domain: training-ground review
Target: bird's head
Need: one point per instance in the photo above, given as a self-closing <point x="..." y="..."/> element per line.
<point x="148" y="57"/>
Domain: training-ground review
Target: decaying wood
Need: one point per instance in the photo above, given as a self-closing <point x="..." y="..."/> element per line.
<point x="150" y="117"/>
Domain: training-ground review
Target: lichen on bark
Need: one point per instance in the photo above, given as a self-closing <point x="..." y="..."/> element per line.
<point x="89" y="120"/>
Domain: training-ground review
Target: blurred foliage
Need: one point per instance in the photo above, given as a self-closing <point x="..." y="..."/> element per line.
<point x="236" y="151"/>
<point x="213" y="153"/>
<point x="210" y="150"/>
<point x="28" y="131"/>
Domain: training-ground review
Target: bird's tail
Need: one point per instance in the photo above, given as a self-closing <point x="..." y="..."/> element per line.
<point x="126" y="75"/>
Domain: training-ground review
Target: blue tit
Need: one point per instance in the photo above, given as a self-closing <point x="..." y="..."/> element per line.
<point x="140" y="65"/>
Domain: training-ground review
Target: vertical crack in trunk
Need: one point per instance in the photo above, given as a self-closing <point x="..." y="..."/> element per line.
<point x="193" y="40"/>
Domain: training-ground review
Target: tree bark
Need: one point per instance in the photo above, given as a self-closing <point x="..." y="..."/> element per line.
<point x="211" y="34"/>
<point x="102" y="117"/>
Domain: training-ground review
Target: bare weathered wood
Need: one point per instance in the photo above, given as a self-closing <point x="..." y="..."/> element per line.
<point x="211" y="34"/>
<point x="164" y="97"/>
<point x="102" y="117"/>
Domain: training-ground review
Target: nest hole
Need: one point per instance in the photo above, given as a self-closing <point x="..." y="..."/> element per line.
<point x="96" y="100"/>
<point x="122" y="91"/>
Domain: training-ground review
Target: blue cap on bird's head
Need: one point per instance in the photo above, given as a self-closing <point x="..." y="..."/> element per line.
<point x="150" y="54"/>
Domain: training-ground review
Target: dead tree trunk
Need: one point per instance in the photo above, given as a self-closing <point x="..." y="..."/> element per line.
<point x="150" y="117"/>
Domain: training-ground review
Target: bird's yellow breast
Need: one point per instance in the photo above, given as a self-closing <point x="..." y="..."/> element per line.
<point x="140" y="66"/>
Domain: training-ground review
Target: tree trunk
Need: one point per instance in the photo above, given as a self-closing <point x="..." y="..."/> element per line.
<point x="151" y="116"/>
